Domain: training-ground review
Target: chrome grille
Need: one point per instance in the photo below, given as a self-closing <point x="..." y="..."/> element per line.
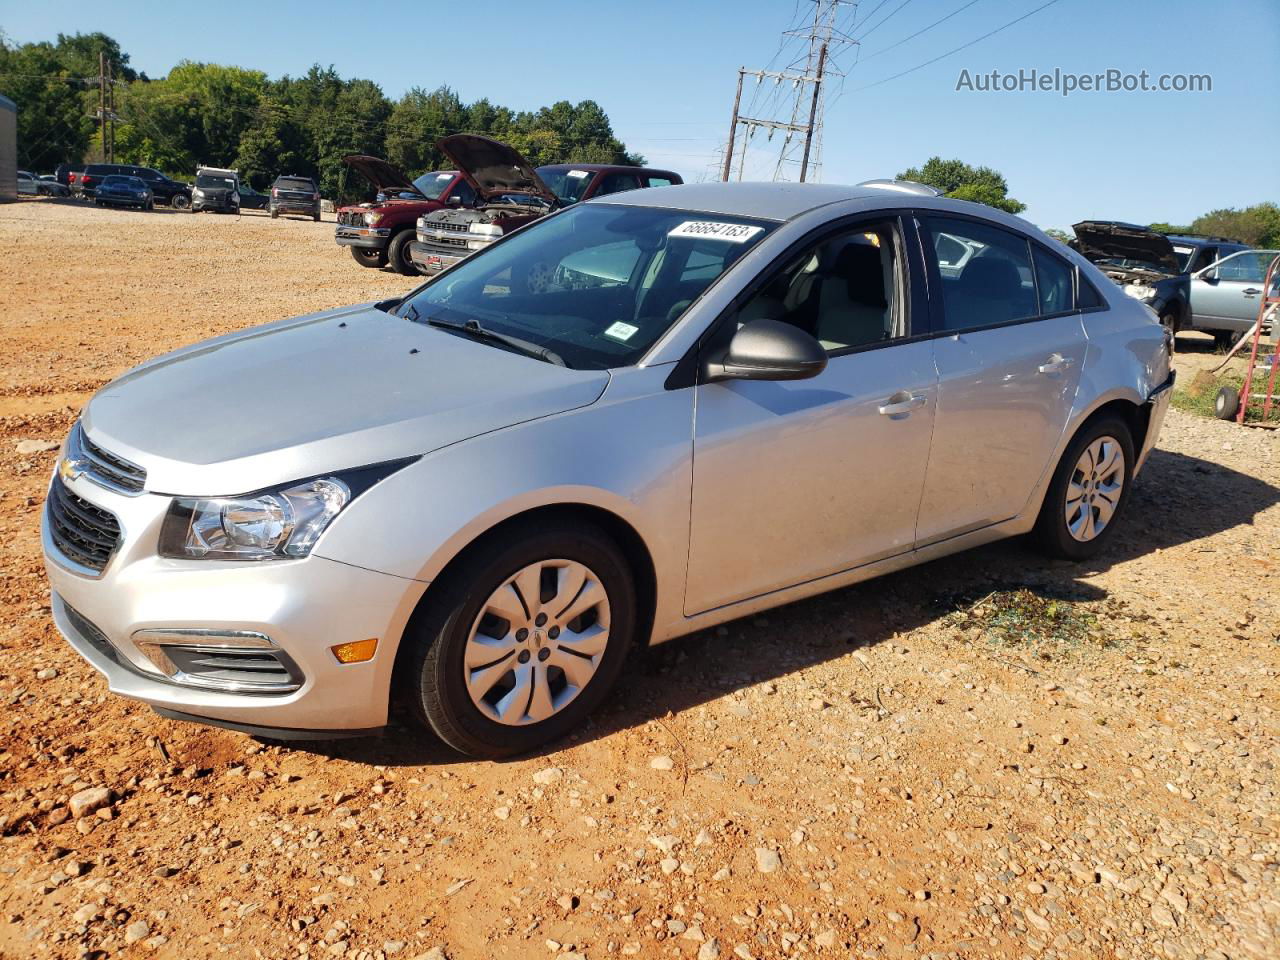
<point x="107" y="468"/>
<point x="448" y="225"/>
<point x="84" y="534"/>
<point x="447" y="241"/>
<point x="351" y="218"/>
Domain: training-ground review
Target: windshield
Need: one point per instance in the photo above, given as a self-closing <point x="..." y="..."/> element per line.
<point x="566" y="183"/>
<point x="432" y="184"/>
<point x="205" y="180"/>
<point x="597" y="284"/>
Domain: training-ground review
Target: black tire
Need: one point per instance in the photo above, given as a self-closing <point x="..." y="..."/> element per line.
<point x="1170" y="321"/>
<point x="1227" y="403"/>
<point x="434" y="673"/>
<point x="368" y="258"/>
<point x="1223" y="339"/>
<point x="180" y="201"/>
<point x="315" y="217"/>
<point x="275" y="214"/>
<point x="398" y="253"/>
<point x="1051" y="532"/>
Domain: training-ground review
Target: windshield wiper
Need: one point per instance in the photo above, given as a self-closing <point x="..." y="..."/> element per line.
<point x="473" y="329"/>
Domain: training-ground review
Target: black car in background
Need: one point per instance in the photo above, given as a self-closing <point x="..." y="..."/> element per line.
<point x="124" y="192"/>
<point x="164" y="190"/>
<point x="293" y="194"/>
<point x="251" y="199"/>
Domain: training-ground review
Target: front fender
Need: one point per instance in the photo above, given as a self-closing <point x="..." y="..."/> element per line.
<point x="630" y="453"/>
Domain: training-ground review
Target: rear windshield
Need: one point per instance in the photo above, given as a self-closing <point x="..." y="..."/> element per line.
<point x="295" y="183"/>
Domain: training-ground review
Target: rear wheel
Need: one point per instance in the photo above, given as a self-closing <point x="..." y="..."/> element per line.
<point x="398" y="253"/>
<point x="1088" y="492"/>
<point x="1227" y="403"/>
<point x="1223" y="339"/>
<point x="275" y="214"/>
<point x="523" y="639"/>
<point x="369" y="258"/>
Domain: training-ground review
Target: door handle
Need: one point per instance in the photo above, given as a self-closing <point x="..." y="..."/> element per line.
<point x="903" y="402"/>
<point x="1251" y="291"/>
<point x="1056" y="364"/>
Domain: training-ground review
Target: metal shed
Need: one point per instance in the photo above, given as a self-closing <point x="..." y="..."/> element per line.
<point x="8" y="149"/>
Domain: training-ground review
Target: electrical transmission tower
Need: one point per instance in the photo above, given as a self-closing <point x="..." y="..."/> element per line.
<point x="801" y="130"/>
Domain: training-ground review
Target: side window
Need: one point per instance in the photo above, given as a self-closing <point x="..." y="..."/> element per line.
<point x="1204" y="256"/>
<point x="1087" y="295"/>
<point x="660" y="181"/>
<point x="1053" y="281"/>
<point x="846" y="291"/>
<point x="1250" y="267"/>
<point x="462" y="190"/>
<point x="991" y="283"/>
<point x="616" y="183"/>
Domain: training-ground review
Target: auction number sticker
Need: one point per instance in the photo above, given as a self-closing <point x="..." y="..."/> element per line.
<point x="621" y="331"/>
<point x="729" y="232"/>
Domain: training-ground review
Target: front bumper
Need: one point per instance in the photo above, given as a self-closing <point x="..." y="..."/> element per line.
<point x="371" y="238"/>
<point x="432" y="259"/>
<point x="304" y="606"/>
<point x="224" y="206"/>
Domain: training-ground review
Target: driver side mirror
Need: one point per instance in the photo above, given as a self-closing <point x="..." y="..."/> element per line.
<point x="769" y="350"/>
<point x="1209" y="274"/>
<point x="454" y="200"/>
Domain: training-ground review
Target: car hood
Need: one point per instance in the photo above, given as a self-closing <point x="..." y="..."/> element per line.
<point x="1103" y="239"/>
<point x="325" y="392"/>
<point x="381" y="174"/>
<point x="493" y="168"/>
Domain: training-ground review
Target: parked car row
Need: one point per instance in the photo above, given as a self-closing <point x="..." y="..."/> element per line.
<point x="426" y="225"/>
<point x="30" y="185"/>
<point x="1210" y="284"/>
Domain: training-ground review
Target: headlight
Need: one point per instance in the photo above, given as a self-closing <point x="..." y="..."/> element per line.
<point x="1139" y="291"/>
<point x="371" y="219"/>
<point x="280" y="524"/>
<point x="197" y="192"/>
<point x="485" y="229"/>
<point x="478" y="243"/>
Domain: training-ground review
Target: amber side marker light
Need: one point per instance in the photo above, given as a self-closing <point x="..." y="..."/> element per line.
<point x="357" y="651"/>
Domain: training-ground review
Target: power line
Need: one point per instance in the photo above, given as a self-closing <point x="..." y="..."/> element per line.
<point x="963" y="46"/>
<point x="894" y="46"/>
<point x="887" y="18"/>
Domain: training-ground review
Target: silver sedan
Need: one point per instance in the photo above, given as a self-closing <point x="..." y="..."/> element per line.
<point x="636" y="418"/>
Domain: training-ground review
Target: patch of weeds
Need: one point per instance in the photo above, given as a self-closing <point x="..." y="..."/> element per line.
<point x="1200" y="395"/>
<point x="1040" y="622"/>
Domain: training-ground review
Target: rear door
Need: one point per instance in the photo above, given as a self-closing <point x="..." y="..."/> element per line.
<point x="1227" y="295"/>
<point x="1009" y="346"/>
<point x="796" y="480"/>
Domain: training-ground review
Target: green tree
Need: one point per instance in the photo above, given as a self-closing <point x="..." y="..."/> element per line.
<point x="273" y="144"/>
<point x="52" y="124"/>
<point x="1258" y="225"/>
<point x="955" y="178"/>
<point x="1060" y="235"/>
<point x="417" y="121"/>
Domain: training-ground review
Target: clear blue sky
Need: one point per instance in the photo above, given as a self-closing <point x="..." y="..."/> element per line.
<point x="665" y="72"/>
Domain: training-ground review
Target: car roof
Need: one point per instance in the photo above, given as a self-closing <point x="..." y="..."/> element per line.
<point x="776" y="201"/>
<point x="604" y="168"/>
<point x="1198" y="240"/>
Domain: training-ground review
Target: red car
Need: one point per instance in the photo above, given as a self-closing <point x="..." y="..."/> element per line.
<point x="379" y="233"/>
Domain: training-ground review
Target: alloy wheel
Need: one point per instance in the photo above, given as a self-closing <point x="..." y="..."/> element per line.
<point x="1095" y="487"/>
<point x="537" y="642"/>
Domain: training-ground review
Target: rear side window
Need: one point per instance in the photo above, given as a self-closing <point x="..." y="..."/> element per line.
<point x="660" y="181"/>
<point x="1087" y="295"/>
<point x="986" y="273"/>
<point x="1053" y="282"/>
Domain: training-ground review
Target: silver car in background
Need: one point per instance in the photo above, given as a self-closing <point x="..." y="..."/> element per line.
<point x="633" y="419"/>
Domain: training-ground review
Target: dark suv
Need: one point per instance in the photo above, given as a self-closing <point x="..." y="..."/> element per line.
<point x="171" y="192"/>
<point x="293" y="194"/>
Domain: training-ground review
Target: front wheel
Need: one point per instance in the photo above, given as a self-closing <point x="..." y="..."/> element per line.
<point x="180" y="201"/>
<point x="368" y="258"/>
<point x="1223" y="339"/>
<point x="1088" y="492"/>
<point x="398" y="253"/>
<point x="523" y="639"/>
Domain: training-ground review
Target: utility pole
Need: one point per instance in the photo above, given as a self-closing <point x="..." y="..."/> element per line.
<point x="813" y="112"/>
<point x="825" y="41"/>
<point x="733" y="126"/>
<point x="102" y="102"/>
<point x="111" y="118"/>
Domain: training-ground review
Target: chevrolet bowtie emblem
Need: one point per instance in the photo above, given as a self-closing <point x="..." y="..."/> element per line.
<point x="71" y="469"/>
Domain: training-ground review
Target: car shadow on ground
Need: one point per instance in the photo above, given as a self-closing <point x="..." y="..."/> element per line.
<point x="1176" y="500"/>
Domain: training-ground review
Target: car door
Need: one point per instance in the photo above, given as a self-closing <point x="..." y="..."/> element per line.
<point x="1226" y="295"/>
<point x="1009" y="347"/>
<point x="795" y="480"/>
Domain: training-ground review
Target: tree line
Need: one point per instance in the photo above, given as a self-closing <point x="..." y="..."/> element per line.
<point x="227" y="116"/>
